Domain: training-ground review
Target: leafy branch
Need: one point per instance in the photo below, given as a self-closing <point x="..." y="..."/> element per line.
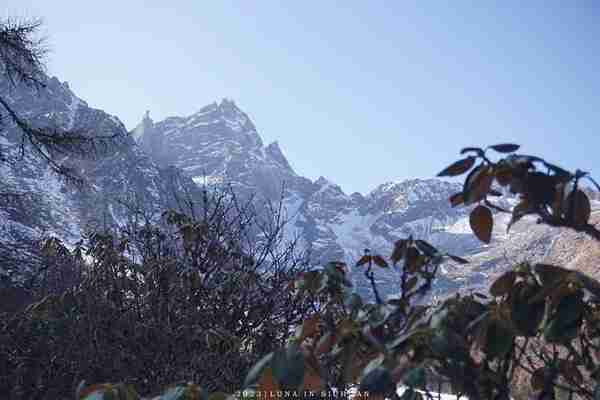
<point x="550" y="192"/>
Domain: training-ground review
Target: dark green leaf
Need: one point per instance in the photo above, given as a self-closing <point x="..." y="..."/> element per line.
<point x="458" y="259"/>
<point x="499" y="339"/>
<point x="476" y="150"/>
<point x="288" y="367"/>
<point x="415" y="378"/>
<point x="426" y="248"/>
<point x="505" y="147"/>
<point x="579" y="208"/>
<point x="377" y="382"/>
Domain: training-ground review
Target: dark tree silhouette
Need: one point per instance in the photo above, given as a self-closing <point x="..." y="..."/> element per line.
<point x="22" y="54"/>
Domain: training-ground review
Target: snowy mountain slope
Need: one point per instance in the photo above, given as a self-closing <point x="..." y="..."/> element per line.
<point x="219" y="144"/>
<point x="51" y="207"/>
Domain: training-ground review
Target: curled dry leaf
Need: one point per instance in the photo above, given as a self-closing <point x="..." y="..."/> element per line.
<point x="482" y="222"/>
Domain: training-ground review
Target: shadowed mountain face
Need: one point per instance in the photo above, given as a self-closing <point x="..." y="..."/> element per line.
<point x="124" y="177"/>
<point x="220" y="145"/>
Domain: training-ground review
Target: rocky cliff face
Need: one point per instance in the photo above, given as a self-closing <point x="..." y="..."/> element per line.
<point x="124" y="177"/>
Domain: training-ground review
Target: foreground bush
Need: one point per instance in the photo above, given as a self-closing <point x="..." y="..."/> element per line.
<point x="154" y="304"/>
<point x="541" y="322"/>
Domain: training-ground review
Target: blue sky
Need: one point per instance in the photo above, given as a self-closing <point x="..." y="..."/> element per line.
<point x="359" y="92"/>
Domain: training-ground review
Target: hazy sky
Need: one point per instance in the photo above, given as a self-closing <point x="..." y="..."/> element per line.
<point x="359" y="92"/>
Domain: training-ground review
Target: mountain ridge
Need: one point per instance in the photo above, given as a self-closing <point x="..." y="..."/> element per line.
<point x="218" y="145"/>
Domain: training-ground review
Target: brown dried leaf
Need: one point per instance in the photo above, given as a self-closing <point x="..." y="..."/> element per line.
<point x="413" y="260"/>
<point x="380" y="261"/>
<point x="399" y="249"/>
<point x="558" y="202"/>
<point x="503" y="284"/>
<point x="579" y="208"/>
<point x="459" y="167"/>
<point x="363" y="260"/>
<point x="456" y="199"/>
<point x="481" y="222"/>
<point x="267" y="385"/>
<point x="310" y="327"/>
<point x="478" y="185"/>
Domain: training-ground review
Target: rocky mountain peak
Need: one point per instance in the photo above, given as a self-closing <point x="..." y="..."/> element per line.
<point x="274" y="151"/>
<point x="322" y="181"/>
<point x="144" y="127"/>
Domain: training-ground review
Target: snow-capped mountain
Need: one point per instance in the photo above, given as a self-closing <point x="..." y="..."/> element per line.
<point x="218" y="145"/>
